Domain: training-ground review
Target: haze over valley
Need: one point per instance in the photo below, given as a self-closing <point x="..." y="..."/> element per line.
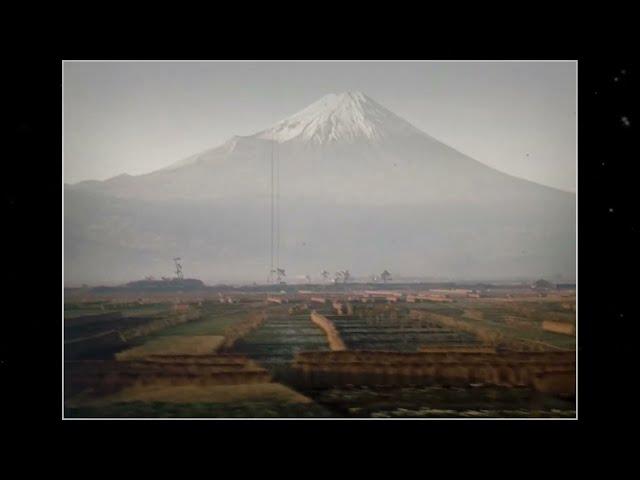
<point x="359" y="188"/>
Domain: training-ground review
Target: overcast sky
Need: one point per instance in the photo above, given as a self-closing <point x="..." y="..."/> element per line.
<point x="136" y="117"/>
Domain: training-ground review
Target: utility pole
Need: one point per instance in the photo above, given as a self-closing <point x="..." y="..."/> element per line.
<point x="178" y="268"/>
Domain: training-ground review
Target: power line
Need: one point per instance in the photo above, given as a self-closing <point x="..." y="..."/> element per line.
<point x="278" y="208"/>
<point x="274" y="265"/>
<point x="272" y="214"/>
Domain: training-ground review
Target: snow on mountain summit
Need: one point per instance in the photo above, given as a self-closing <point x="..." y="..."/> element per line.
<point x="340" y="117"/>
<point x="337" y="118"/>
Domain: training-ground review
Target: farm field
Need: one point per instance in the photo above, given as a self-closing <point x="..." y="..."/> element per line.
<point x="195" y="395"/>
<point x="183" y="357"/>
<point x="214" y="319"/>
<point x="515" y="319"/>
<point x="106" y="334"/>
<point x="436" y="402"/>
<point x="75" y="310"/>
<point x="260" y="392"/>
<point x="236" y="409"/>
<point x="87" y="326"/>
<point x="280" y="337"/>
<point x="180" y="345"/>
<point x="395" y="334"/>
<point x="101" y="336"/>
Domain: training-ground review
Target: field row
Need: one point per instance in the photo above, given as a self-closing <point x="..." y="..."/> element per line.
<point x="280" y="337"/>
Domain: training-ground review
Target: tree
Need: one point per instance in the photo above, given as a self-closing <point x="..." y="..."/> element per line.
<point x="542" y="285"/>
<point x="386" y="276"/>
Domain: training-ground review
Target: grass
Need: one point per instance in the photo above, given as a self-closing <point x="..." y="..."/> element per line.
<point x="212" y="322"/>
<point x="201" y="336"/>
<point x="183" y="345"/>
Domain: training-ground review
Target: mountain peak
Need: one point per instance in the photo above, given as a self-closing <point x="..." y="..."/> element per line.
<point x="353" y="99"/>
<point x="345" y="116"/>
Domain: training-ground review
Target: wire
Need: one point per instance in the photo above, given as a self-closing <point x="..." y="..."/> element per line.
<point x="272" y="213"/>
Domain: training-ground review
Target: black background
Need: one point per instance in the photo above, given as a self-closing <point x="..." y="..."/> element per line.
<point x="31" y="343"/>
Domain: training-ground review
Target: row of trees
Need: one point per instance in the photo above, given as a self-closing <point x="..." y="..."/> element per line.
<point x="343" y="276"/>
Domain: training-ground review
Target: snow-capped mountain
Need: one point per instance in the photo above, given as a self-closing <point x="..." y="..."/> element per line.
<point x="360" y="188"/>
<point x="344" y="117"/>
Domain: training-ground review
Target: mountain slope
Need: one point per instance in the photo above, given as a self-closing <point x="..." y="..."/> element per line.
<point x="360" y="188"/>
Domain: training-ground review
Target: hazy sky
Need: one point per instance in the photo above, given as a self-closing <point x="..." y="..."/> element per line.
<point x="136" y="117"/>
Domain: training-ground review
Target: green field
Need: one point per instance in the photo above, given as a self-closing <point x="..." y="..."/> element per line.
<point x="213" y="321"/>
